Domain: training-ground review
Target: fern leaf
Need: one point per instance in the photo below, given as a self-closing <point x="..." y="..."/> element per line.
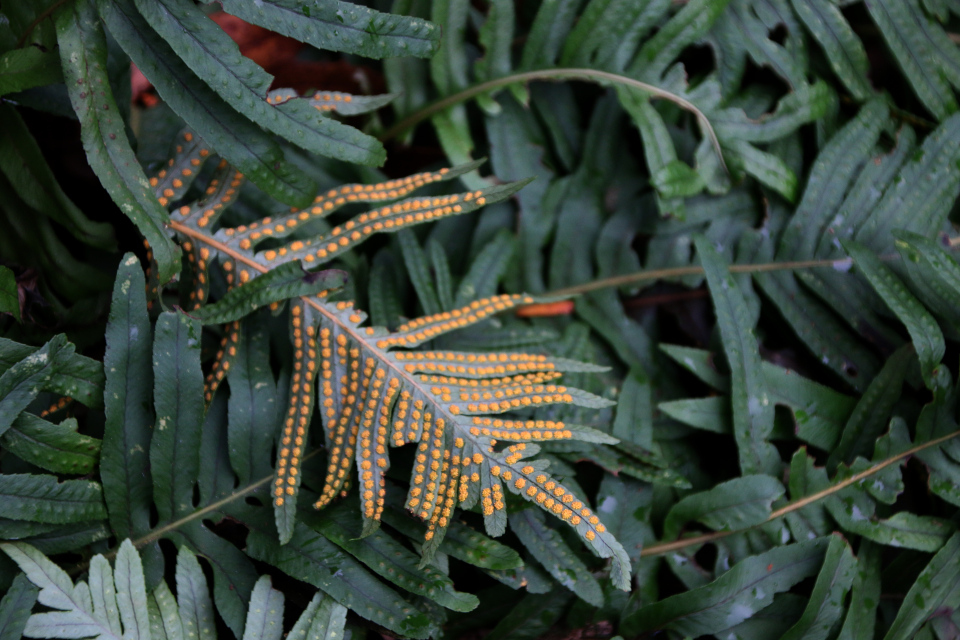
<point x="115" y="603"/>
<point x="373" y="395"/>
<point x="923" y="328"/>
<point x="902" y="26"/>
<point x="129" y="419"/>
<point x="215" y="59"/>
<point x="825" y="606"/>
<point x="79" y="613"/>
<point x="178" y="390"/>
<point x="15" y="608"/>
<point x="71" y="374"/>
<point x="342" y="26"/>
<point x="323" y="619"/>
<point x="238" y="139"/>
<point x="53" y="447"/>
<point x="323" y="101"/>
<point x="310" y="557"/>
<point x="734" y="596"/>
<point x="934" y="587"/>
<point x="48" y="367"/>
<point x="83" y="50"/>
<point x="752" y="408"/>
<point x="548" y="547"/>
<point x="386" y="557"/>
<point x="845" y="52"/>
<point x="682" y="30"/>
<point x="32" y="179"/>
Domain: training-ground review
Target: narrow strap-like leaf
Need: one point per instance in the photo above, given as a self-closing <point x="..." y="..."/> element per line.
<point x="861" y="618"/>
<point x="21" y="383"/>
<point x="921" y="325"/>
<point x="342" y="26"/>
<point x="323" y="619"/>
<point x="487" y="269"/>
<point x="131" y="593"/>
<point x="845" y="52"/>
<point x="233" y="573"/>
<point x="33" y="180"/>
<point x="15" y="607"/>
<point x="752" y="408"/>
<point x="178" y="392"/>
<point x="548" y="547"/>
<point x="733" y="597"/>
<point x="870" y="416"/>
<point x="103" y="594"/>
<point x="237" y="139"/>
<point x="682" y="30"/>
<point x="897" y="20"/>
<point x="41" y="498"/>
<point x="76" y="376"/>
<point x="296" y="419"/>
<point x="164" y="616"/>
<point x="828" y="338"/>
<point x="935" y="582"/>
<point x="826" y="604"/>
<point x="215" y="58"/>
<point x="386" y="557"/>
<point x="441" y="273"/>
<point x="314" y="559"/>
<point x="196" y="610"/>
<point x="734" y="504"/>
<point x="53" y="447"/>
<point x="124" y="465"/>
<point x="83" y="50"/>
<point x="253" y="418"/>
<point x="419" y="269"/>
<point x="265" y="617"/>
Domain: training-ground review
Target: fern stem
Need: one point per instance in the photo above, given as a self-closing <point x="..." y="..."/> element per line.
<point x="46" y="13"/>
<point x="591" y="75"/>
<point x="667" y="547"/>
<point x="673" y="272"/>
<point x="762" y="267"/>
<point x="159" y="532"/>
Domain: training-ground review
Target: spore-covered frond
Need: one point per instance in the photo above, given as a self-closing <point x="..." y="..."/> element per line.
<point x="472" y="416"/>
<point x="372" y="398"/>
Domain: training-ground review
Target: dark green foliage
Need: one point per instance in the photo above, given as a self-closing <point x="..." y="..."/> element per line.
<point x="742" y="262"/>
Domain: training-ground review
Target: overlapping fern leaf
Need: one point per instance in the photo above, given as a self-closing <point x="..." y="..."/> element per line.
<point x="201" y="74"/>
<point x="372" y="391"/>
<point x="117" y="602"/>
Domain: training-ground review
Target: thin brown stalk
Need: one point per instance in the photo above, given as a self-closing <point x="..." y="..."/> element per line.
<point x="591" y="75"/>
<point x="667" y="547"/>
<point x="46" y="13"/>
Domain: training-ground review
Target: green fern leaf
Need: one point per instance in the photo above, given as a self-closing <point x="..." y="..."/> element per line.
<point x="116" y="604"/>
<point x="238" y="139"/>
<point x="83" y="50"/>
<point x="215" y="59"/>
<point x="734" y="596"/>
<point x="342" y="26"/>
<point x="846" y="53"/>
<point x="15" y="608"/>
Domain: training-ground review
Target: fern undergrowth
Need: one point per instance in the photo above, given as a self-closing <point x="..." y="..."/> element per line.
<point x="683" y="365"/>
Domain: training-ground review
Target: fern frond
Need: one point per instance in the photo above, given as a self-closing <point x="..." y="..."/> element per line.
<point x="115" y="603"/>
<point x="374" y="394"/>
